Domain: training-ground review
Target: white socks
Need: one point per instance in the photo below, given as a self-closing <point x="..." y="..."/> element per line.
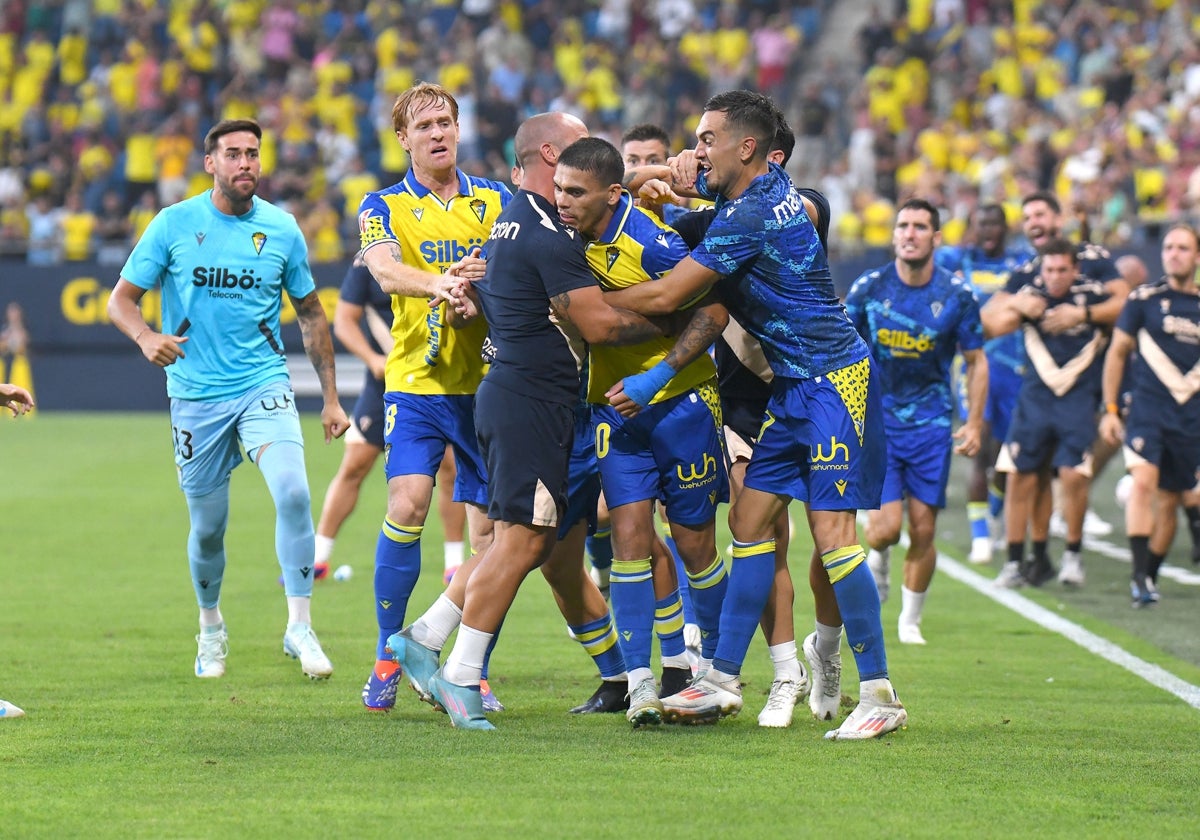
<point x="453" y="554"/>
<point x="829" y="639"/>
<point x="783" y="657"/>
<point x="298" y="609"/>
<point x="435" y="626"/>
<point x="324" y="549"/>
<point x="465" y="663"/>
<point x="911" y="604"/>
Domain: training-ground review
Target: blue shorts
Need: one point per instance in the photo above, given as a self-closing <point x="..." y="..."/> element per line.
<point x="1176" y="453"/>
<point x="207" y="434"/>
<point x="1003" y="387"/>
<point x="367" y="417"/>
<point x="527" y="447"/>
<point x="1050" y="431"/>
<point x="417" y="428"/>
<point x="822" y="441"/>
<point x="583" y="482"/>
<point x="671" y="451"/>
<point x="918" y="465"/>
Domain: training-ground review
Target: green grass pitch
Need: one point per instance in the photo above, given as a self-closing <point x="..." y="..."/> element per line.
<point x="1014" y="730"/>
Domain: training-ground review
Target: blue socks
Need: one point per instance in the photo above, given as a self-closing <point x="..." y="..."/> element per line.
<point x="858" y="601"/>
<point x="397" y="567"/>
<point x="749" y="586"/>
<point x="206" y="543"/>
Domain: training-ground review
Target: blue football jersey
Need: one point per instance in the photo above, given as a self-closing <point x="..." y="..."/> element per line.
<point x="914" y="333"/>
<point x="776" y="280"/>
<point x="988" y="275"/>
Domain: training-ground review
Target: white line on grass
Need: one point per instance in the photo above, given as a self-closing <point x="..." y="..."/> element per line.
<point x="1121" y="554"/>
<point x="1086" y="639"/>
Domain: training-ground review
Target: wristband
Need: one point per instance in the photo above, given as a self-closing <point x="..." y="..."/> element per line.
<point x="140" y="334"/>
<point x="1112" y="408"/>
<point x="1087" y="315"/>
<point x="642" y="387"/>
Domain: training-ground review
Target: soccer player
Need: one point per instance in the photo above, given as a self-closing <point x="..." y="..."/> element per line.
<point x="359" y="299"/>
<point x="1161" y="434"/>
<point x="411" y="233"/>
<point x="1042" y="220"/>
<point x="987" y="265"/>
<point x="541" y="302"/>
<point x="822" y="436"/>
<point x="916" y="316"/>
<point x="744" y="379"/>
<point x="671" y="450"/>
<point x="645" y="144"/>
<point x="1052" y="429"/>
<point x="18" y="401"/>
<point x="224" y="260"/>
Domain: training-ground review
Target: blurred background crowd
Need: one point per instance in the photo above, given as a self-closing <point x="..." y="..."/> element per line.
<point x="104" y="103"/>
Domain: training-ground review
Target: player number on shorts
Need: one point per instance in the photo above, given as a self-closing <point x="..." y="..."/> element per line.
<point x="183" y="442"/>
<point x="603" y="430"/>
<point x="389" y="420"/>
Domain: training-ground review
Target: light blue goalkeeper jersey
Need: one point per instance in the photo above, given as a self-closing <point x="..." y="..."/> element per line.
<point x="222" y="279"/>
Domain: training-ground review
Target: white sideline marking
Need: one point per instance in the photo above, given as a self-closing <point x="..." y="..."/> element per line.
<point x="1119" y="553"/>
<point x="1086" y="639"/>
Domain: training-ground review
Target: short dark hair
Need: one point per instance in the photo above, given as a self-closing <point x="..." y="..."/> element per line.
<point x="785" y="140"/>
<point x="595" y="156"/>
<point x="935" y="218"/>
<point x="752" y="112"/>
<point x="994" y="209"/>
<point x="647" y="131"/>
<point x="1060" y="246"/>
<point x="1045" y="196"/>
<point x="229" y="127"/>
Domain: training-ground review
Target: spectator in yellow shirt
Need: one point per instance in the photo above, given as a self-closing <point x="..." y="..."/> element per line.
<point x="172" y="148"/>
<point x="78" y="228"/>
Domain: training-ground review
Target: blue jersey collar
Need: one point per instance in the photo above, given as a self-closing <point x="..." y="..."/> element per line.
<point x="419" y="190"/>
<point x="620" y="216"/>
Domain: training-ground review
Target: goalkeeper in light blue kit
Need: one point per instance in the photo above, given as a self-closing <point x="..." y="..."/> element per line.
<point x="223" y="261"/>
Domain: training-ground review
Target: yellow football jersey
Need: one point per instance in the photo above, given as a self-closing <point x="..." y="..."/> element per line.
<point x="429" y="356"/>
<point x="636" y="248"/>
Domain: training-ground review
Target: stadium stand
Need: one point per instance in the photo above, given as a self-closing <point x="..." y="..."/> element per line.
<point x="103" y="102"/>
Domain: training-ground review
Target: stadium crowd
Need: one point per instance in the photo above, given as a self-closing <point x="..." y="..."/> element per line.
<point x="103" y="104"/>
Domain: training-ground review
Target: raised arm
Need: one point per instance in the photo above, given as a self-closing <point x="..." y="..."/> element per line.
<point x="395" y="276"/>
<point x="598" y="321"/>
<point x="314" y="328"/>
<point x="686" y="282"/>
<point x="1004" y="312"/>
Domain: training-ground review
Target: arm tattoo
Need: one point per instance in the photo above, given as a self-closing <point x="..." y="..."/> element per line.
<point x="560" y="304"/>
<point x="394" y="252"/>
<point x="314" y="328"/>
<point x="701" y="331"/>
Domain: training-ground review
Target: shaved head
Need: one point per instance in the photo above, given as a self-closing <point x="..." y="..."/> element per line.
<point x="555" y="128"/>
